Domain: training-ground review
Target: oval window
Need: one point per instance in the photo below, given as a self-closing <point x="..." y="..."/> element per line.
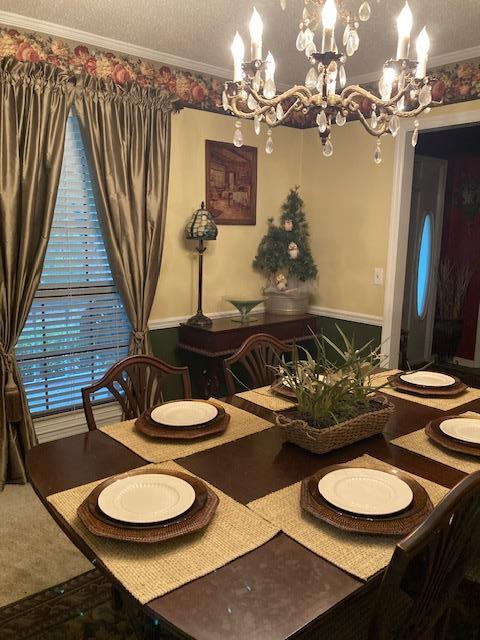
<point x="423" y="270"/>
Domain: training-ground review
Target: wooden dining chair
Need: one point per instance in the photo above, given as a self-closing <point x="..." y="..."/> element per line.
<point x="427" y="567"/>
<point x="137" y="384"/>
<point x="254" y="361"/>
<point x="423" y="583"/>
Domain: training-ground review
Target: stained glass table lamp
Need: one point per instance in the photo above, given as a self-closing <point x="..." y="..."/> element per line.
<point x="201" y="227"/>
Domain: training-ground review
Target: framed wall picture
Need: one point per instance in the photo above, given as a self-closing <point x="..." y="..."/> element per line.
<point x="231" y="174"/>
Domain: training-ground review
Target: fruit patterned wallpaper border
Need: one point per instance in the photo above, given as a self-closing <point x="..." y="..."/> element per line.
<point x="456" y="82"/>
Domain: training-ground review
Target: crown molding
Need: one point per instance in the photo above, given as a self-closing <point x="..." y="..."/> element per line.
<point x="77" y="35"/>
<point x="434" y="61"/>
<point x="53" y="29"/>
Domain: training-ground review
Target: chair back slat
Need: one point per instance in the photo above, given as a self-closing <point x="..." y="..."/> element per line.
<point x="427" y="567"/>
<point x="136" y="383"/>
<point x="117" y="395"/>
<point x="255" y="360"/>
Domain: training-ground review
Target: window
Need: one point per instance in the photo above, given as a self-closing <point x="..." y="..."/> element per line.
<point x="423" y="268"/>
<point x="77" y="326"/>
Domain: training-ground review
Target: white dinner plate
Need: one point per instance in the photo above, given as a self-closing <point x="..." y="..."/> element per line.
<point x="184" y="413"/>
<point x="365" y="491"/>
<point x="466" y="429"/>
<point x="428" y="379"/>
<point x="144" y="498"/>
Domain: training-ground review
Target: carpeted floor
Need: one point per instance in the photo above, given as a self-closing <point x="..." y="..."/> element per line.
<point x="34" y="552"/>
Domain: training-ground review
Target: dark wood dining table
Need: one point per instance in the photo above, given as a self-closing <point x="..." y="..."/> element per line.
<point x="280" y="590"/>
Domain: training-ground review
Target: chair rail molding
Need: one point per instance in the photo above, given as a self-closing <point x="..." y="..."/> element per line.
<point x="404" y="155"/>
<point x="338" y="314"/>
<point x="350" y="316"/>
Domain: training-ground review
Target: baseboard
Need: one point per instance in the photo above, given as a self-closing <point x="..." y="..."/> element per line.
<point x="338" y="314"/>
<point x="70" y="423"/>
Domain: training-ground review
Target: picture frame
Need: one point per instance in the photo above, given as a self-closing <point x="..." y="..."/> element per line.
<point x="231" y="183"/>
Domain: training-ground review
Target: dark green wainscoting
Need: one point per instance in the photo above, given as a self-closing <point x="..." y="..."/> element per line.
<point x="164" y="344"/>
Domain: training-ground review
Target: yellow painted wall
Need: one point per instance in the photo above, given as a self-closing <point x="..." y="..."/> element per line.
<point x="228" y="260"/>
<point x="348" y="203"/>
<point x="347" y="199"/>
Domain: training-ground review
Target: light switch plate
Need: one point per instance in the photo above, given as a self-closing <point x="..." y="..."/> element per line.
<point x="378" y="276"/>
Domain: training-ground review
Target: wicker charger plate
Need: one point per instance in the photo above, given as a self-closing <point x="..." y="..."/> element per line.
<point x="197" y="517"/>
<point x="449" y="392"/>
<point x="279" y="389"/>
<point x="434" y="432"/>
<point x="155" y="430"/>
<point x="398" y="524"/>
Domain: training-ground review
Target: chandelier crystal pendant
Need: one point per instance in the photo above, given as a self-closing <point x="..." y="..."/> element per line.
<point x="404" y="89"/>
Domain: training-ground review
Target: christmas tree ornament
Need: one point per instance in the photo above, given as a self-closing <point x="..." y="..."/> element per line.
<point x="281" y="282"/>
<point x="293" y="250"/>
<point x="288" y="225"/>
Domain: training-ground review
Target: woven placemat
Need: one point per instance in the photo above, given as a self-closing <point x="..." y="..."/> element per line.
<point x="445" y="404"/>
<point x="151" y="570"/>
<point x="242" y="423"/>
<point x="359" y="554"/>
<point x="265" y="398"/>
<point x="419" y="442"/>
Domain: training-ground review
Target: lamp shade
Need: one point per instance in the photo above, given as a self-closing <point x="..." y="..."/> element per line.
<point x="201" y="225"/>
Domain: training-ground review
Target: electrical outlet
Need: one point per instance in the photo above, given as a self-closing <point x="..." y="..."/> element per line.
<point x="378" y="276"/>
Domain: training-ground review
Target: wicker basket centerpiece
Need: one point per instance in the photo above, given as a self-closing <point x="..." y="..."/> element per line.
<point x="336" y="400"/>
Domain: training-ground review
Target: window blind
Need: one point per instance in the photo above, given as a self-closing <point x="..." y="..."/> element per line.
<point x="77" y="326"/>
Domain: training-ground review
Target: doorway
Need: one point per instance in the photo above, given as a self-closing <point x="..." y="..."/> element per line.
<point x="440" y="320"/>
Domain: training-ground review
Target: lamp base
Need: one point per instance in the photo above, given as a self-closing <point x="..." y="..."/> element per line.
<point x="199" y="320"/>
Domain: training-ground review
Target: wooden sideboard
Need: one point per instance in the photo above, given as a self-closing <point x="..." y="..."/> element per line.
<point x="226" y="335"/>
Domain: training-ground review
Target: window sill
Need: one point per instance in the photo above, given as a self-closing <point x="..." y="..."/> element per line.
<point x="69" y="423"/>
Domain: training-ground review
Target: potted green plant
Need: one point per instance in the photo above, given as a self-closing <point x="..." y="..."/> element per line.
<point x="453" y="282"/>
<point x="336" y="400"/>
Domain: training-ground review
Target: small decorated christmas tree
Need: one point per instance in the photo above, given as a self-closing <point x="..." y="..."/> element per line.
<point x="284" y="254"/>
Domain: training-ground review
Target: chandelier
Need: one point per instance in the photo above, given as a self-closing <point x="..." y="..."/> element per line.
<point x="404" y="90"/>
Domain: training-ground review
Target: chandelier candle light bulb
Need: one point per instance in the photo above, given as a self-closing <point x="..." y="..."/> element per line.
<point x="329" y="18"/>
<point x="256" y="31"/>
<point x="404" y="26"/>
<point x="238" y="52"/>
<point x="423" y="46"/>
<point x="269" y="89"/>
<point x="386" y="83"/>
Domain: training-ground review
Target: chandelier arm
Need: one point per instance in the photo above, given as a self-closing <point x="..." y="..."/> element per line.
<point x="249" y="115"/>
<point x="299" y="92"/>
<point x="378" y="131"/>
<point x="413" y="113"/>
<point x="353" y="91"/>
<point x="296" y="105"/>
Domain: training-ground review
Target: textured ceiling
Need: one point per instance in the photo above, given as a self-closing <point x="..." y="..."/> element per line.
<point x="202" y="30"/>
